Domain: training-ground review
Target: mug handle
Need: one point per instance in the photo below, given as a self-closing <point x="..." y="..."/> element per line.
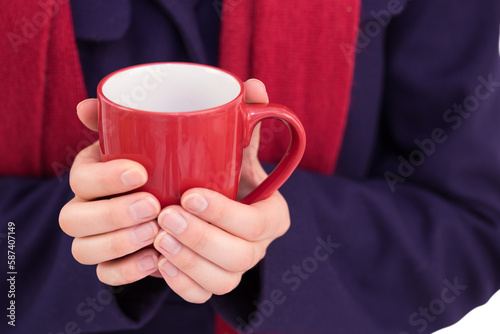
<point x="258" y="112"/>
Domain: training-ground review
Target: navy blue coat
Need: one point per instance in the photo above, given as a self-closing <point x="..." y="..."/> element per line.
<point x="404" y="238"/>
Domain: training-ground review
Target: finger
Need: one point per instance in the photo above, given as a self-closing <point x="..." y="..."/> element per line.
<point x="255" y="91"/>
<point x="87" y="113"/>
<point x="81" y="218"/>
<point x="205" y="273"/>
<point x="252" y="172"/>
<point x="90" y="178"/>
<point x="267" y="219"/>
<point x="109" y="246"/>
<point x="182" y="284"/>
<point x="216" y="245"/>
<point x="128" y="269"/>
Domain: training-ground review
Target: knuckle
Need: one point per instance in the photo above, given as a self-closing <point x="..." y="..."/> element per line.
<point x="108" y="181"/>
<point x="108" y="276"/>
<point x="228" y="286"/>
<point x="257" y="230"/>
<point x="124" y="275"/>
<point x="77" y="173"/>
<point x="64" y="221"/>
<point x="116" y="248"/>
<point x="200" y="243"/>
<point x="78" y="253"/>
<point x="186" y="261"/>
<point x="259" y="256"/>
<point x="82" y="183"/>
<point x="111" y="214"/>
<point x="101" y="275"/>
<point x="119" y="272"/>
<point x="244" y="261"/>
<point x="234" y="283"/>
<point x="74" y="179"/>
<point x="217" y="215"/>
<point x="283" y="228"/>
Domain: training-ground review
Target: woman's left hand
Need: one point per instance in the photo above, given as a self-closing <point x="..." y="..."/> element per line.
<point x="209" y="241"/>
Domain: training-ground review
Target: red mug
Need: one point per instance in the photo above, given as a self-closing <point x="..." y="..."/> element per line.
<point x="187" y="124"/>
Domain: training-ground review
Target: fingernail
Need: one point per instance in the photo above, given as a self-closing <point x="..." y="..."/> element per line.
<point x="169" y="244"/>
<point x="172" y="220"/>
<point x="144" y="232"/>
<point x="195" y="203"/>
<point x="148" y="263"/>
<point x="144" y="209"/>
<point x="133" y="178"/>
<point x="80" y="103"/>
<point x="168" y="268"/>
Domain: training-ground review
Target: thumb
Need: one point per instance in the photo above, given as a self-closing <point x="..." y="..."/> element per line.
<point x="87" y="113"/>
<point x="255" y="91"/>
<point x="252" y="173"/>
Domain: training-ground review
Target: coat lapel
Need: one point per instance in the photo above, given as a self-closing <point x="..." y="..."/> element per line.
<point x="183" y="14"/>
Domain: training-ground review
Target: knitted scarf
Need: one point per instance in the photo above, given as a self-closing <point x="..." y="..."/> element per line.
<point x="41" y="82"/>
<point x="299" y="49"/>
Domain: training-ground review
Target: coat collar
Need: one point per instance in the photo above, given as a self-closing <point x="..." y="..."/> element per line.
<point x="102" y="21"/>
<point x="183" y="14"/>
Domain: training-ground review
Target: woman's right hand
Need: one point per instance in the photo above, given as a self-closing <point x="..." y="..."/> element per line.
<point x="112" y="228"/>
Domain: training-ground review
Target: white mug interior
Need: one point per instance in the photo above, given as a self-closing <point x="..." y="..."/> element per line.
<point x="171" y="87"/>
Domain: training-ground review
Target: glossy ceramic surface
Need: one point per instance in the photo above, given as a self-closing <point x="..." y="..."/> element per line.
<point x="189" y="148"/>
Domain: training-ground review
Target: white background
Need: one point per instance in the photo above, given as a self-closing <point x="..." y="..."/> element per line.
<point x="482" y="320"/>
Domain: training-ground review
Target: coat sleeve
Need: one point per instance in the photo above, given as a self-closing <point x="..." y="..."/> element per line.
<point x="48" y="291"/>
<point x="413" y="244"/>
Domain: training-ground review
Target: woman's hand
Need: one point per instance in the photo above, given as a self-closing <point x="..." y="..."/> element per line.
<point x="112" y="233"/>
<point x="209" y="241"/>
<point x="201" y="247"/>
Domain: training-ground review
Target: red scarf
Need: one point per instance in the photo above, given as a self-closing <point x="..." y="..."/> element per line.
<point x="297" y="48"/>
<point x="300" y="50"/>
<point x="41" y="83"/>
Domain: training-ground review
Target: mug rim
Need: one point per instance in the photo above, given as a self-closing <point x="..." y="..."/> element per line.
<point x="101" y="95"/>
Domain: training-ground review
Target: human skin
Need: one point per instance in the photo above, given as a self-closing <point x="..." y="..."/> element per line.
<point x="201" y="247"/>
